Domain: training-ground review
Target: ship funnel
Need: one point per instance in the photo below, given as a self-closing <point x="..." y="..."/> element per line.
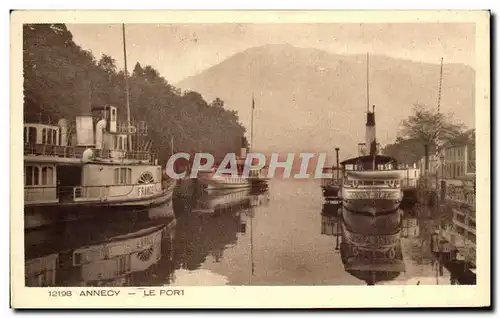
<point x="63" y="125"/>
<point x="99" y="127"/>
<point x="370" y="136"/>
<point x="84" y="130"/>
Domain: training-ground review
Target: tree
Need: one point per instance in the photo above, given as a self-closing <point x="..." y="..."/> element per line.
<point x="138" y="71"/>
<point x="63" y="80"/>
<point x="423" y="127"/>
<point x="108" y="64"/>
<point x="217" y="102"/>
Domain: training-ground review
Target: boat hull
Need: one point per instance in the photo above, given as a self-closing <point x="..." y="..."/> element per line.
<point x="36" y="216"/>
<point x="371" y="206"/>
<point x="371" y="200"/>
<point x="217" y="183"/>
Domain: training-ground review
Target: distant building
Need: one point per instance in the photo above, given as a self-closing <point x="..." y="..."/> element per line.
<point x="433" y="164"/>
<point x="460" y="158"/>
<point x="458" y="161"/>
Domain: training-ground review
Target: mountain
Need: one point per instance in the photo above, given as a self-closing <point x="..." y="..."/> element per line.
<point x="312" y="100"/>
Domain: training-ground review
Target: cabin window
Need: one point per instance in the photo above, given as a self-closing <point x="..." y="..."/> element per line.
<point x="119" y="142"/>
<point x="28" y="175"/>
<point x="31" y="175"/>
<point x="49" y="136"/>
<point x="44" y="135"/>
<point x="32" y="135"/>
<point x="47" y="176"/>
<point x="123" y="175"/>
<point x="54" y="137"/>
<point x="124" y="140"/>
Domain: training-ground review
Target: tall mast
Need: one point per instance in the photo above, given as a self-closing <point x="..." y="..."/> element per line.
<point x="437" y="134"/>
<point x="367" y="82"/>
<point x="251" y="124"/>
<point x="438" y="124"/>
<point x="127" y="97"/>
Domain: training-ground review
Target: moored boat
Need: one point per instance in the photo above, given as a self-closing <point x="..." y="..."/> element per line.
<point x="331" y="187"/>
<point x="371" y="190"/>
<point x="371" y="182"/>
<point x="246" y="177"/>
<point x="92" y="162"/>
<point x="237" y="179"/>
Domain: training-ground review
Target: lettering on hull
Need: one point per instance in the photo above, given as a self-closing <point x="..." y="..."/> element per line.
<point x="363" y="195"/>
<point x="145" y="190"/>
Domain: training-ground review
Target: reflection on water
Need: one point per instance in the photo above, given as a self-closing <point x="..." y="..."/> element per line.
<point x="371" y="246"/>
<point x="281" y="236"/>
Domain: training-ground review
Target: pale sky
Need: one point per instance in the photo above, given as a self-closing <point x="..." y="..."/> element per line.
<point x="181" y="50"/>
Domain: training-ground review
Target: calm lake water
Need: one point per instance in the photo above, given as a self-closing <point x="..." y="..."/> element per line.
<point x="284" y="236"/>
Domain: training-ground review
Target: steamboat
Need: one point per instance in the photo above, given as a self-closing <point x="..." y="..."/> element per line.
<point x="371" y="182"/>
<point x="90" y="163"/>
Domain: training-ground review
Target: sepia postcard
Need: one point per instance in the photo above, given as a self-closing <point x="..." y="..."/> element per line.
<point x="250" y="159"/>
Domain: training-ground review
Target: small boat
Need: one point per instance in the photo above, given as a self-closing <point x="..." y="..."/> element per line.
<point x="223" y="181"/>
<point x="256" y="176"/>
<point x="331" y="187"/>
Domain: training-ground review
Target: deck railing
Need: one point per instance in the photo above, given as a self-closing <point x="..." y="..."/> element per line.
<point x="53" y="150"/>
<point x="77" y="152"/>
<point x="331" y="182"/>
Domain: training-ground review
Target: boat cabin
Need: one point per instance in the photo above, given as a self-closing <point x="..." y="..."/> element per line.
<point x="369" y="163"/>
<point x="90" y="159"/>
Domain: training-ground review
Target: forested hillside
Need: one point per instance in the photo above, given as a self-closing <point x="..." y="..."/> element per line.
<point x="63" y="80"/>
